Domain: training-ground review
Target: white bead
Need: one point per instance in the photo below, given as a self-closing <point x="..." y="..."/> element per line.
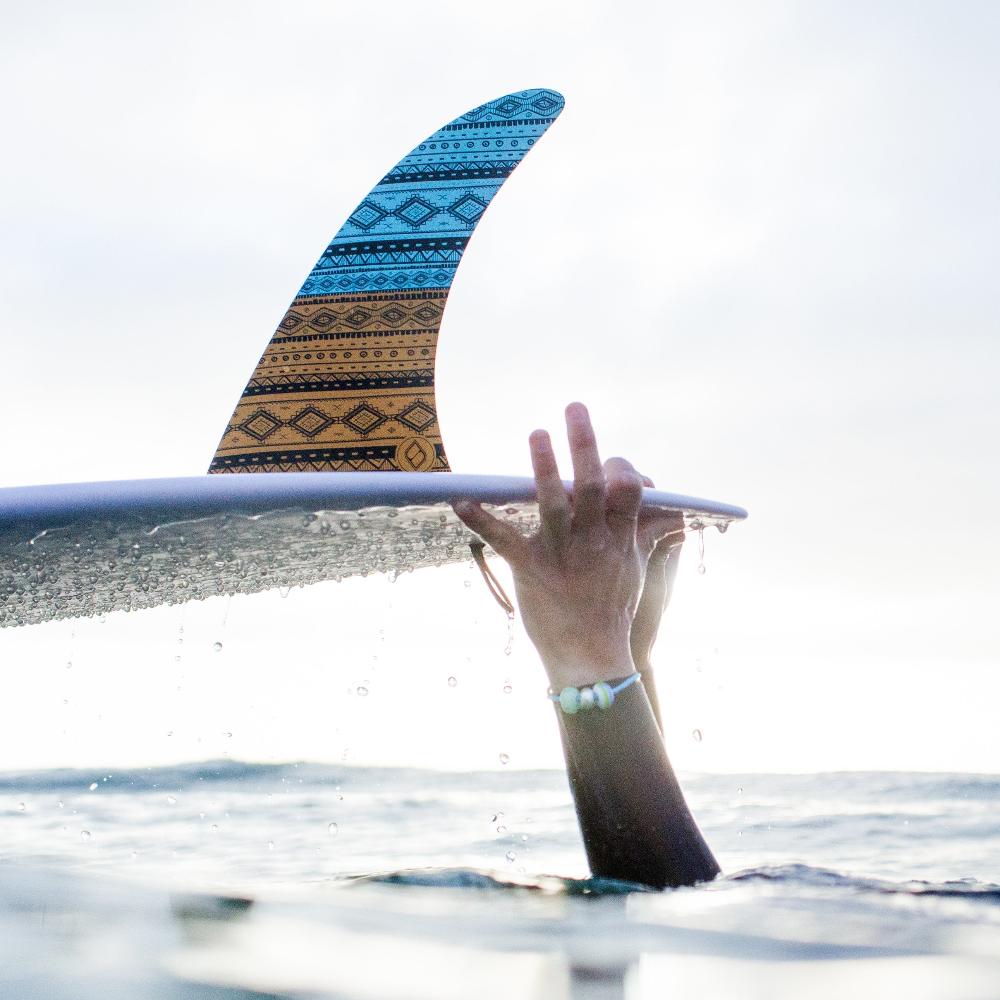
<point x="587" y="699"/>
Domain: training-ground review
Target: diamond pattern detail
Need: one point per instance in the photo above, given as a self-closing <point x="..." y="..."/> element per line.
<point x="358" y="318"/>
<point x="367" y="215"/>
<point x="468" y="208"/>
<point x="544" y="104"/>
<point x="323" y="319"/>
<point x="310" y="421"/>
<point x="416" y="212"/>
<point x="508" y="107"/>
<point x="415" y="454"/>
<point x="260" y="425"/>
<point x="418" y="416"/>
<point x="292" y="321"/>
<point x="393" y="315"/>
<point x="427" y="313"/>
<point x="364" y="419"/>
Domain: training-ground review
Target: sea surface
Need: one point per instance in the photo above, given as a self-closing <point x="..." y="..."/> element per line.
<point x="236" y="880"/>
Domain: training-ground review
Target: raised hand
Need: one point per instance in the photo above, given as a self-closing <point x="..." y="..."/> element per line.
<point x="578" y="578"/>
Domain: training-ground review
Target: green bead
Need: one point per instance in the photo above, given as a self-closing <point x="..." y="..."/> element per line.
<point x="604" y="696"/>
<point x="569" y="699"/>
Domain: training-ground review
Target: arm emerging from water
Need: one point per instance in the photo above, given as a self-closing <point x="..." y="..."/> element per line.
<point x="578" y="582"/>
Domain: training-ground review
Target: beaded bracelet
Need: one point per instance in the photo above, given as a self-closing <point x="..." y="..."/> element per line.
<point x="601" y="695"/>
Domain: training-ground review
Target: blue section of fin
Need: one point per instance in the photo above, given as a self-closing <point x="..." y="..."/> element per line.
<point x="410" y="231"/>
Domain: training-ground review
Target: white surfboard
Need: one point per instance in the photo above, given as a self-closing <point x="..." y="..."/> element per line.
<point x="81" y="549"/>
<point x="332" y="464"/>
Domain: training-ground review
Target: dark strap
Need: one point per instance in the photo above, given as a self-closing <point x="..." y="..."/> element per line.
<point x="492" y="583"/>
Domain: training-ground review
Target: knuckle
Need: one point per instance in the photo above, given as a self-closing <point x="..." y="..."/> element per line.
<point x="589" y="490"/>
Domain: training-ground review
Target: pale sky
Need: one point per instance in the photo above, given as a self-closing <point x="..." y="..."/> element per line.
<point x="760" y="243"/>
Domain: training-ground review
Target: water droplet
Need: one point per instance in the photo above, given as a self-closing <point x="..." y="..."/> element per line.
<point x="696" y="735"/>
<point x="270" y="845"/>
<point x="739" y="791"/>
<point x="452" y="682"/>
<point x="701" y="550"/>
<point x="69" y="664"/>
<point x="701" y="568"/>
<point x="284" y="591"/>
<point x="217" y="647"/>
<point x="93" y="787"/>
<point x="227" y="734"/>
<point x="177" y="659"/>
<point x="333" y="829"/>
<point x="507" y="688"/>
<point x="524" y="838"/>
<point x="504" y="758"/>
<point x="466" y="583"/>
<point x="21" y="807"/>
<point x="171" y="801"/>
<point x="61" y="804"/>
<point x="723" y="527"/>
<point x="511" y="856"/>
<point x="501" y="829"/>
<point x="214" y="828"/>
<point x="85" y="835"/>
<point x="510" y="635"/>
<point x="362" y="691"/>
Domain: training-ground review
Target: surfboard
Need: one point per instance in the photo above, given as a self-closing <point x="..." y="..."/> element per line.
<point x="338" y="422"/>
<point x="82" y="549"/>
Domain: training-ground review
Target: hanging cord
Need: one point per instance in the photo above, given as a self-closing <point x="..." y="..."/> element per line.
<point x="493" y="584"/>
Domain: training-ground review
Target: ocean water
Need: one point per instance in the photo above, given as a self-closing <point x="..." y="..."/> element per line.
<point x="228" y="879"/>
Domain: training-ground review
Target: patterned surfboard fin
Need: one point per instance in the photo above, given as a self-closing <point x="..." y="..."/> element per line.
<point x="347" y="381"/>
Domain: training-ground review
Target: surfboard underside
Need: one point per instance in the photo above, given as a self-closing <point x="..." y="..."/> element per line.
<point x="84" y="549"/>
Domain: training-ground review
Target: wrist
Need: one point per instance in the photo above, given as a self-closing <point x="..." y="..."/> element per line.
<point x="587" y="670"/>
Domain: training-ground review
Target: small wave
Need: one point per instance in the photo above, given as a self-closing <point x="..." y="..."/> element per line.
<point x="150" y="778"/>
<point x="805" y="875"/>
<point x="475" y="878"/>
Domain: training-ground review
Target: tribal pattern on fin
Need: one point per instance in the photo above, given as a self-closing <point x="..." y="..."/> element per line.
<point x="347" y="381"/>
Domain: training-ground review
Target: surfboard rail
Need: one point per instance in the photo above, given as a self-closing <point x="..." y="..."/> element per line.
<point x="197" y="496"/>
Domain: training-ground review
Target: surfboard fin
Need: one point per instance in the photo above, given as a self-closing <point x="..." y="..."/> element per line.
<point x="347" y="381"/>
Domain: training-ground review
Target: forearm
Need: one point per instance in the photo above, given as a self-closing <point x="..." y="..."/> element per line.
<point x="649" y="683"/>
<point x="635" y="822"/>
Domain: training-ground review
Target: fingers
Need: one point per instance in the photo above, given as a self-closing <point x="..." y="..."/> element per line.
<point x="624" y="495"/>
<point x="502" y="537"/>
<point x="589" y="491"/>
<point x="661" y="532"/>
<point x="553" y="503"/>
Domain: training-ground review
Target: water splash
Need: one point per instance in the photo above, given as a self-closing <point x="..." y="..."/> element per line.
<point x="143" y="564"/>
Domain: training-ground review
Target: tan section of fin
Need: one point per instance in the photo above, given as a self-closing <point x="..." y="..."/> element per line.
<point x="346" y="383"/>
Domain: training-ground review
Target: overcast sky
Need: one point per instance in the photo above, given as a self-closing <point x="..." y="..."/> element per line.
<point x="760" y="242"/>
